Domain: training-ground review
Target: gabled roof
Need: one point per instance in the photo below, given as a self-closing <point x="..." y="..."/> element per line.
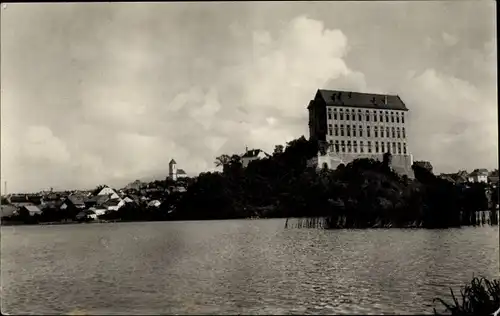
<point x="254" y="153"/>
<point x="33" y="209"/>
<point x="360" y="100"/>
<point x="172" y="162"/>
<point x="181" y="171"/>
<point x="76" y="199"/>
<point x="479" y="172"/>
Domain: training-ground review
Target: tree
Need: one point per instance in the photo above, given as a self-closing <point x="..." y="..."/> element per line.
<point x="222" y="160"/>
<point x="98" y="189"/>
<point x="278" y="149"/>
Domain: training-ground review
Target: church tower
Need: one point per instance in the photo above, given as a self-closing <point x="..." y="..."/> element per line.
<point x="172" y="170"/>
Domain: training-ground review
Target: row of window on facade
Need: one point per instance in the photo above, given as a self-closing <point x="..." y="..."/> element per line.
<point x="380" y="147"/>
<point x="352" y="131"/>
<point x="352" y="115"/>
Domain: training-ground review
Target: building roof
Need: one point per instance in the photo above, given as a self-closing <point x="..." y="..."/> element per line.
<point x="253" y="153"/>
<point x="33" y="209"/>
<point x="181" y="171"/>
<point x="76" y="199"/>
<point x="172" y="162"/>
<point x="479" y="172"/>
<point x="360" y="100"/>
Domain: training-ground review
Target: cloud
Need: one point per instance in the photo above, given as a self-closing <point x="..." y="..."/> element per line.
<point x="451" y="122"/>
<point x="115" y="92"/>
<point x="449" y="40"/>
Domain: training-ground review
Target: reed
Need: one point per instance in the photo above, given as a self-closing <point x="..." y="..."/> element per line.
<point x="480" y="297"/>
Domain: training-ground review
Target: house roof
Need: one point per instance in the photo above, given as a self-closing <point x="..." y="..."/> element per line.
<point x="110" y="203"/>
<point x="181" y="171"/>
<point x="253" y="153"/>
<point x="18" y="199"/>
<point x="76" y="199"/>
<point x="172" y="162"/>
<point x="479" y="172"/>
<point x="360" y="100"/>
<point x="33" y="209"/>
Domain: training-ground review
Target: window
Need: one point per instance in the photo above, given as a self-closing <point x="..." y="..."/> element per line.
<point x="386" y="117"/>
<point x="388" y="132"/>
<point x="381" y="132"/>
<point x="354" y="130"/>
<point x="375" y="117"/>
<point x="335" y="117"/>
<point x="381" y="116"/>
<point x="341" y="130"/>
<point x="376" y="147"/>
<point x="347" y="115"/>
<point x="402" y="118"/>
<point x="361" y="148"/>
<point x="342" y="144"/>
<point x="399" y="133"/>
<point x="330" y="146"/>
<point x="360" y="131"/>
<point x="330" y="130"/>
<point x="341" y="114"/>
<point x="329" y="113"/>
<point x="404" y="134"/>
<point x="392" y="117"/>
<point x="404" y="148"/>
<point x="349" y="130"/>
<point x="375" y="131"/>
<point x="349" y="148"/>
<point x="397" y="117"/>
<point x="383" y="146"/>
<point x="355" y="146"/>
<point x="389" y="147"/>
<point x="367" y="113"/>
<point x="399" y="148"/>
<point x="393" y="132"/>
<point x="337" y="146"/>
<point x="394" y="147"/>
<point x="368" y="131"/>
<point x="353" y="115"/>
<point x="336" y="130"/>
<point x="369" y="146"/>
<point x="359" y="116"/>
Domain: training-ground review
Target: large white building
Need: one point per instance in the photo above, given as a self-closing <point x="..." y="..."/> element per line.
<point x="360" y="125"/>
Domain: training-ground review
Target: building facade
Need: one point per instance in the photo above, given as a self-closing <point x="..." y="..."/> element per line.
<point x="355" y="125"/>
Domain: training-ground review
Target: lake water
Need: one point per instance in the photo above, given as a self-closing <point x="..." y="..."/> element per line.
<point x="229" y="267"/>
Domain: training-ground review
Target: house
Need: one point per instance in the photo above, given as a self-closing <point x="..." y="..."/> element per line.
<point x="86" y="215"/>
<point x="7" y="210"/>
<point x="31" y="210"/>
<point x="99" y="210"/>
<point x="110" y="192"/>
<point x="73" y="201"/>
<point x="19" y="200"/>
<point x="96" y="200"/>
<point x="113" y="204"/>
<point x="136" y="185"/>
<point x="493" y="177"/>
<point x="154" y="203"/>
<point x="251" y="155"/>
<point x="458" y="178"/>
<point x="478" y="175"/>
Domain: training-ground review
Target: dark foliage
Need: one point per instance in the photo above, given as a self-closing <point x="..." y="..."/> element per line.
<point x="480" y="297"/>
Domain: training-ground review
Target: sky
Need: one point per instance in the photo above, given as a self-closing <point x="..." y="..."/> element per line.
<point x="107" y="93"/>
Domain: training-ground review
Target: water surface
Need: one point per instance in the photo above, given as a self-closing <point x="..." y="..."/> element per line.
<point x="229" y="267"/>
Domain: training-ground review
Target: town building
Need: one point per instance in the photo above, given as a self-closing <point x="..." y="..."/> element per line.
<point x="353" y="125"/>
<point x="478" y="175"/>
<point x="174" y="173"/>
<point x="251" y="155"/>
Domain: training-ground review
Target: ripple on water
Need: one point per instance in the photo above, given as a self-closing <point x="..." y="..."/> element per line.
<point x="231" y="267"/>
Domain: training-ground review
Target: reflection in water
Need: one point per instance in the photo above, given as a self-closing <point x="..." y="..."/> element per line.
<point x="246" y="267"/>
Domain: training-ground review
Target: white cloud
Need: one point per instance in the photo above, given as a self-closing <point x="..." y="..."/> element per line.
<point x="449" y="40"/>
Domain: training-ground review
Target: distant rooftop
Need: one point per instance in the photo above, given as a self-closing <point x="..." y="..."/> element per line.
<point x="360" y="100"/>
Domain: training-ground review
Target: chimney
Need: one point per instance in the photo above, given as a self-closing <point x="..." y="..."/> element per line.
<point x="385" y="99"/>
